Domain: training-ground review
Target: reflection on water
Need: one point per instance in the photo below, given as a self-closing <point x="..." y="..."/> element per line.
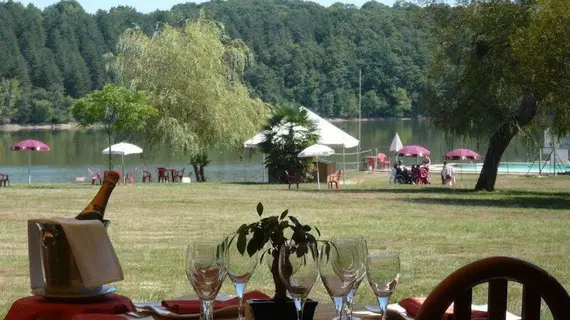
<point x="72" y="152"/>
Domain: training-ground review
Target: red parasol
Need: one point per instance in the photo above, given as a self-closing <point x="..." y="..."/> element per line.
<point x="413" y="151"/>
<point x="462" y="154"/>
<point x="30" y="145"/>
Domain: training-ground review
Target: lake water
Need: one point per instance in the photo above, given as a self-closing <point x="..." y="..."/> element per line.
<point x="72" y="152"/>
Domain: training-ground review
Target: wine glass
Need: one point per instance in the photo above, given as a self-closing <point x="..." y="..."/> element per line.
<point x="239" y="264"/>
<point x="298" y="269"/>
<point x="383" y="271"/>
<point x="206" y="272"/>
<point x="360" y="265"/>
<point x="337" y="270"/>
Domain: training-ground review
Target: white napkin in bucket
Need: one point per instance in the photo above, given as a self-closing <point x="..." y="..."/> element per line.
<point x="90" y="246"/>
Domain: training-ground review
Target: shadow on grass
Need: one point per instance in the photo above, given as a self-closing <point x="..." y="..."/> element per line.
<point x="452" y="191"/>
<point x="553" y="203"/>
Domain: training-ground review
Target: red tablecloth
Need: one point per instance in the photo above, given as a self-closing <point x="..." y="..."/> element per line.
<point x="35" y="307"/>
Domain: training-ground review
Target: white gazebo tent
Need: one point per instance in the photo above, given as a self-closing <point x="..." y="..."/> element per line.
<point x="329" y="135"/>
<point x="123" y="149"/>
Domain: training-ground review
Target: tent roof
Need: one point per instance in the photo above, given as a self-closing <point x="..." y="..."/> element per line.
<point x="330" y="135"/>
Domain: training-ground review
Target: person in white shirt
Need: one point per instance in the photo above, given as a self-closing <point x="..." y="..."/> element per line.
<point x="447" y="174"/>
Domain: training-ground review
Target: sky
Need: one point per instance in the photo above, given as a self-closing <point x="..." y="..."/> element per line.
<point x="146" y="6"/>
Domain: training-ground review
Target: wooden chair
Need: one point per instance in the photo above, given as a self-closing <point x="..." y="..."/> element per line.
<point x="383" y="161"/>
<point x="4" y="180"/>
<point x="146" y="175"/>
<point x="292" y="179"/>
<point x="178" y="174"/>
<point x="334" y="178"/>
<point x="497" y="271"/>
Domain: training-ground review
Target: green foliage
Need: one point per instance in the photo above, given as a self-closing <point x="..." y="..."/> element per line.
<point x="305" y="53"/>
<point x="193" y="74"/>
<point x="500" y="68"/>
<point x="287" y="133"/>
<point x="10" y="95"/>
<point x="117" y="109"/>
<point x="275" y="231"/>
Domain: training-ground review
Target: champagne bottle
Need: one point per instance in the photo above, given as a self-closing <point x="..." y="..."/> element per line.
<point x="96" y="209"/>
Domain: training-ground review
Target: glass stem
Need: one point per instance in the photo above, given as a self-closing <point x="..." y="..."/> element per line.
<point x="240" y="290"/>
<point x="207" y="309"/>
<point x="338" y="305"/>
<point x="383" y="304"/>
<point x="350" y="300"/>
<point x="299" y="304"/>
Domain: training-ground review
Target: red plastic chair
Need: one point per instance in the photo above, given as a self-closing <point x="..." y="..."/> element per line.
<point x="146" y="175"/>
<point x="95" y="176"/>
<point x="292" y="179"/>
<point x="424" y="176"/>
<point x="383" y="161"/>
<point x="177" y="174"/>
<point x="334" y="179"/>
<point x="162" y="174"/>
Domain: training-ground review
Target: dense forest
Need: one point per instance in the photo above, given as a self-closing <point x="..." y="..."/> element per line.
<point x="304" y="53"/>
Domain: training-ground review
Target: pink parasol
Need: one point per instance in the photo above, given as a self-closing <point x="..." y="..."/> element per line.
<point x="30" y="145"/>
<point x="462" y="154"/>
<point x="413" y="151"/>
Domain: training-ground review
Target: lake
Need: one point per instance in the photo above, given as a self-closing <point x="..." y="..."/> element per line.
<point x="73" y="151"/>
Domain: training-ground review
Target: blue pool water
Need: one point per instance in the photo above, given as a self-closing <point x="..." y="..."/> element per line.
<point x="516" y="167"/>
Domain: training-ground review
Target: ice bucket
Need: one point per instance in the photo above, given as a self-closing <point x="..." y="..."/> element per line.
<point x="58" y="267"/>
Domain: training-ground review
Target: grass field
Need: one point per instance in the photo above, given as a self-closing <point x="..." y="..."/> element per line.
<point x="435" y="229"/>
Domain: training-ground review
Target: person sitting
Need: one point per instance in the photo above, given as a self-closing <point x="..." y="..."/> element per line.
<point x="395" y="171"/>
<point x="415" y="174"/>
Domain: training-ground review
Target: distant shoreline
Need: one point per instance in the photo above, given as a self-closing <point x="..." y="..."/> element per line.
<point x="73" y="126"/>
<point x="50" y="127"/>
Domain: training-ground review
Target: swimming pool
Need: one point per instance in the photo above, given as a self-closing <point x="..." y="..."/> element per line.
<point x="515" y="167"/>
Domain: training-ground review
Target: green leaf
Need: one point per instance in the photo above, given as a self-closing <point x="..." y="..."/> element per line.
<point x="259" y="209"/>
<point x="241" y="243"/>
<point x="284" y="214"/>
<point x="295" y="221"/>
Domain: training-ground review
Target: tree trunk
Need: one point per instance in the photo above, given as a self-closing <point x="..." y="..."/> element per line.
<point x="500" y="140"/>
<point x="202" y="174"/>
<point x="280" y="289"/>
<point x="196" y="172"/>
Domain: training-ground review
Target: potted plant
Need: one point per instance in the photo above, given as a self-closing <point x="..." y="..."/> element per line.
<point x="267" y="236"/>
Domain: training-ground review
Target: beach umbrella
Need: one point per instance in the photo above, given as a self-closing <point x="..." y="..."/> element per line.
<point x="396" y="144"/>
<point x="316" y="151"/>
<point x="413" y="151"/>
<point x="462" y="154"/>
<point x="30" y="145"/>
<point x="123" y="149"/>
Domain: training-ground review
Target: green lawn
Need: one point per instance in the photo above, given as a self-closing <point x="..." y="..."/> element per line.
<point x="436" y="229"/>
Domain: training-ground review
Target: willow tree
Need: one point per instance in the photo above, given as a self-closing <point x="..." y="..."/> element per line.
<point x="194" y="75"/>
<point x="501" y="68"/>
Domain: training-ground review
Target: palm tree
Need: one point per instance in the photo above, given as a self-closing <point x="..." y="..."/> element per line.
<point x="287" y="133"/>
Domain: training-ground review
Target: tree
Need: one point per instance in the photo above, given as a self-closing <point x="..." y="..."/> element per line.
<point x="117" y="109"/>
<point x="10" y="96"/>
<point x="194" y="77"/>
<point x="501" y="68"/>
<point x="287" y="133"/>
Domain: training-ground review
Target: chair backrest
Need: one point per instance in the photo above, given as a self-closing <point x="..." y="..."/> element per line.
<point x="497" y="271"/>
